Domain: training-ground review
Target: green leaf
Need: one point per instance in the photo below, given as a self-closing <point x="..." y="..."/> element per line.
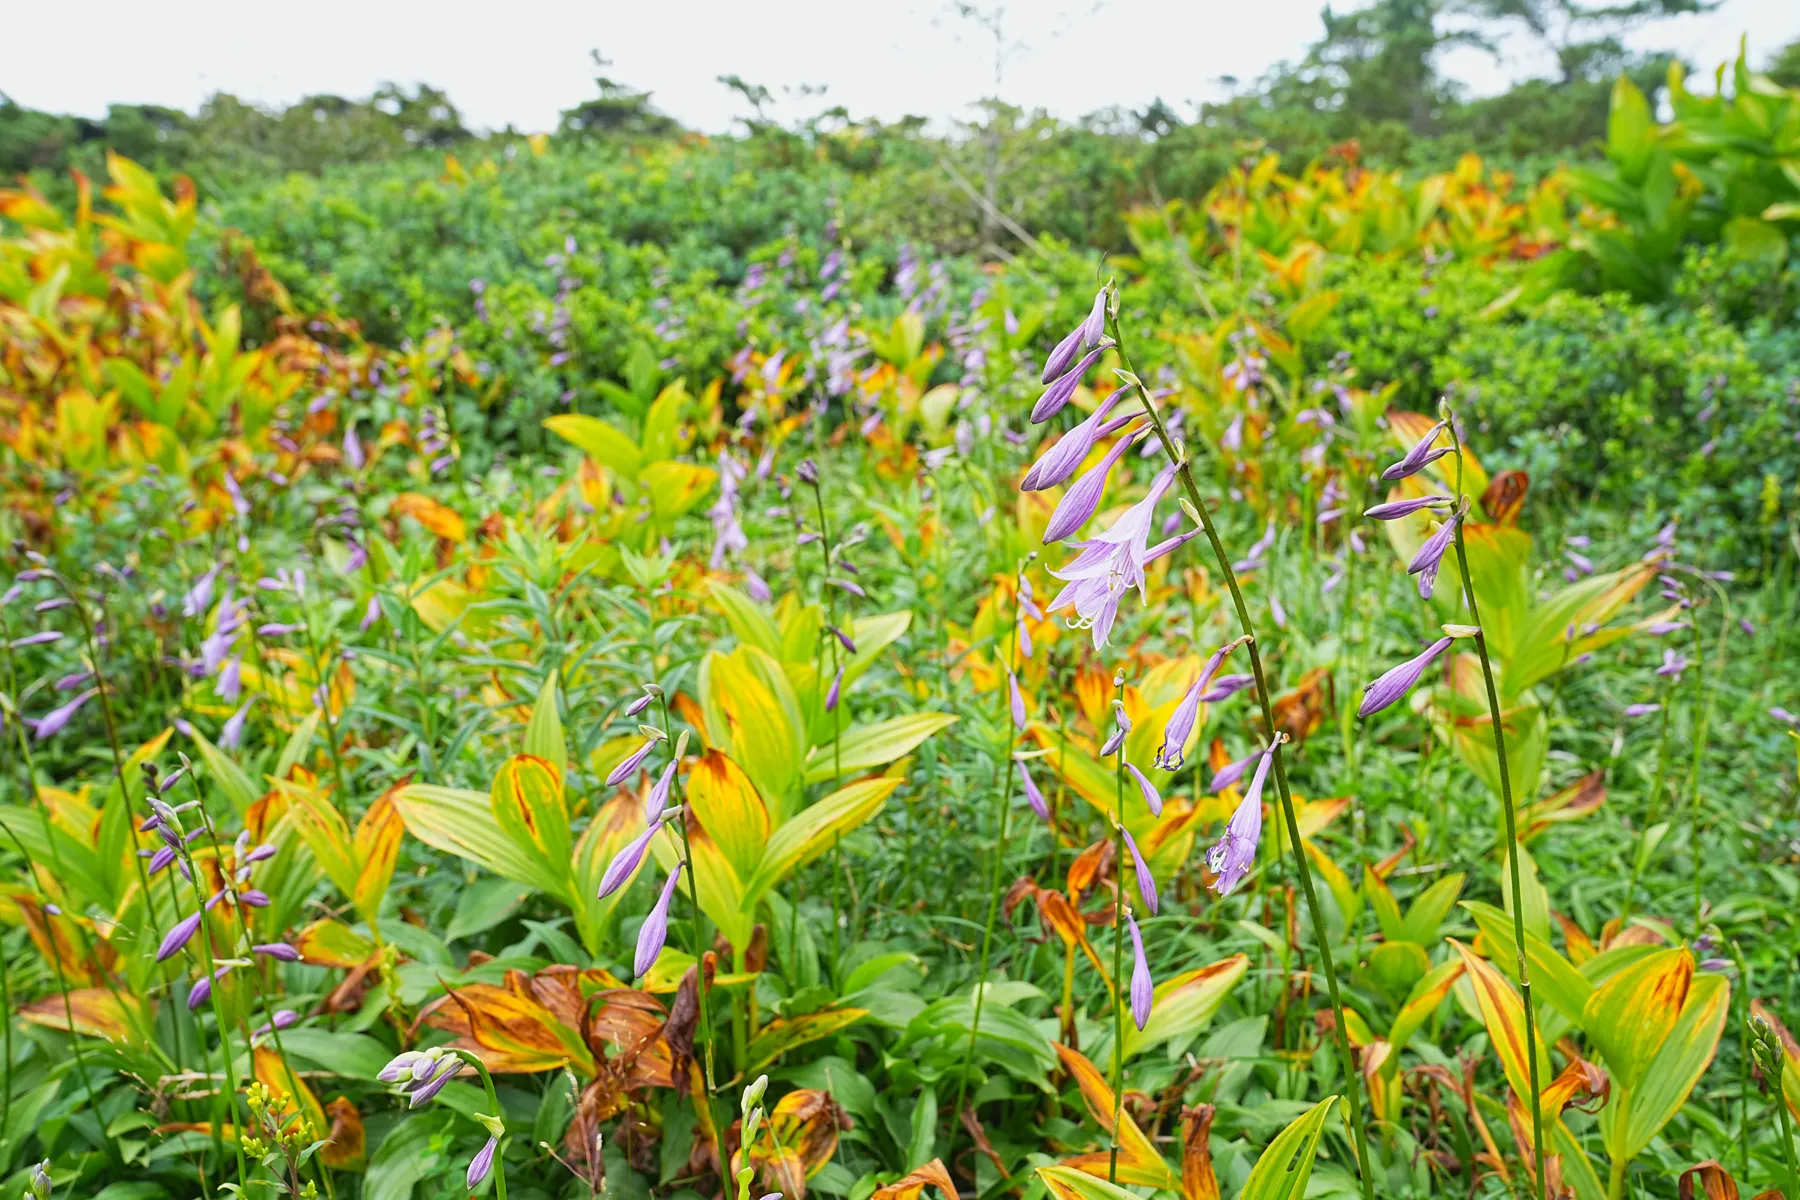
<point x="483" y="905"/>
<point x="813" y="831"/>
<point x="1429" y="909"/>
<point x="1553" y="977"/>
<point x="1067" y="1183"/>
<point x="351" y="1055"/>
<point x="461" y="822"/>
<point x="1184" y="1004"/>
<point x="866" y="747"/>
<point x="297" y="744"/>
<point x="1639" y="1113"/>
<point x="544" y="733"/>
<point x="786" y="1033"/>
<point x="602" y="442"/>
<point x="402" y="1160"/>
<point x="747" y="619"/>
<point x="1630" y="129"/>
<point x="239" y="789"/>
<point x="1286" y="1165"/>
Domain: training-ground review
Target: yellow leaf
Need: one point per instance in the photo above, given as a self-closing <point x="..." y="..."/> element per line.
<point x="528" y="806"/>
<point x="439" y="519"/>
<point x="785" y="1033"/>
<point x="377" y="846"/>
<point x="290" y="1090"/>
<point x="329" y="943"/>
<point x="815" y="830"/>
<point x="725" y="803"/>
<point x="1140" y="1163"/>
<point x="1630" y="1015"/>
<point x="95" y="1012"/>
<point x="1504" y="1015"/>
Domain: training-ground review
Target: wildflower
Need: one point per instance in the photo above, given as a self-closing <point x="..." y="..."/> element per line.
<point x="284" y="1018"/>
<point x="1145" y="881"/>
<point x="627" y="859"/>
<point x="1746" y="626"/>
<point x="353" y="449"/>
<point x="230" y="684"/>
<point x="1143" y="988"/>
<point x="179" y="936"/>
<point x="1225" y="687"/>
<point x="1399" y="680"/>
<point x="201" y="992"/>
<point x="1062" y="390"/>
<point x="757" y="587"/>
<point x="482" y="1163"/>
<point x="232" y="733"/>
<point x="1071" y="450"/>
<point x="1033" y="796"/>
<point x="1181" y="722"/>
<point x="253" y="897"/>
<point x="198" y="597"/>
<point x="1277" y="613"/>
<point x="1641" y="710"/>
<point x="277" y="950"/>
<point x="1419" y="457"/>
<point x="1152" y="799"/>
<point x="1235" y="852"/>
<point x="278" y="628"/>
<point x="855" y="589"/>
<point x="1229" y="774"/>
<point x="1084" y="335"/>
<point x="1430" y="556"/>
<point x="833" y="694"/>
<point x="1393" y="510"/>
<point x="640" y="704"/>
<point x="52" y="722"/>
<point x="1025" y="646"/>
<point x="1080" y="501"/>
<point x="36" y="639"/>
<point x="1581" y="562"/>
<point x="843" y="639"/>
<point x="428" y="1086"/>
<point x="1672" y="666"/>
<point x="655" y="930"/>
<point x="1258" y="555"/>
<point x="808" y="471"/>
<point x="1112" y="563"/>
<point x="1783" y="715"/>
<point x="1658" y="628"/>
<point x="632" y="762"/>
<point x="371" y="614"/>
<point x="1016" y="700"/>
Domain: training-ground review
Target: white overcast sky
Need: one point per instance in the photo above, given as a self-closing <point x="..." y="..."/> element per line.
<point x="523" y="61"/>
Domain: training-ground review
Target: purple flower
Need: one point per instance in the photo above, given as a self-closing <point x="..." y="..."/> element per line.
<point x="1033" y="796"/>
<point x="1078" y="339"/>
<point x="1015" y="700"/>
<point x="835" y="692"/>
<point x="659" y="794"/>
<point x="158" y="861"/>
<point x="252" y="897"/>
<point x="353" y="450"/>
<point x="285" y="1018"/>
<point x="198" y="597"/>
<point x="447" y="1068"/>
<point x="178" y="936"/>
<point x="1063" y="459"/>
<point x="1430" y="556"/>
<point x="655" y="930"/>
<point x="259" y="853"/>
<point x="1152" y="799"/>
<point x="1658" y="628"/>
<point x="757" y="587"/>
<point x="855" y="589"/>
<point x="1225" y="687"/>
<point x="37" y="639"/>
<point x="1113" y="563"/>
<point x="401" y="1066"/>
<point x="1230" y="773"/>
<point x="201" y="992"/>
<point x="1399" y="680"/>
<point x="233" y="731"/>
<point x="371" y="614"/>
<point x="1393" y="510"/>
<point x="230" y="684"/>
<point x="1062" y="390"/>
<point x="626" y="861"/>
<point x="1673" y="665"/>
<point x="1235" y="852"/>
<point x="1782" y="714"/>
<point x="843" y="639"/>
<point x="1080" y="501"/>
<point x="52" y="722"/>
<point x="1181" y="722"/>
<point x="1580" y="561"/>
<point x="1277" y="613"/>
<point x="278" y="950"/>
<point x="640" y="704"/>
<point x="1641" y="710"/>
<point x="1146" y="883"/>
<point x="278" y="629"/>
<point x="1745" y="625"/>
<point x="1419" y="457"/>
<point x="635" y="759"/>
<point x="1143" y="988"/>
<point x="482" y="1163"/>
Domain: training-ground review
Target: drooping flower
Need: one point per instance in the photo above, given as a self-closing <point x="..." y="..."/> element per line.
<point x="1641" y="710"/>
<point x="1062" y="390"/>
<point x="1071" y="450"/>
<point x="655" y="930"/>
<point x="1226" y="686"/>
<point x="277" y="950"/>
<point x="1112" y="563"/>
<point x="1419" y="457"/>
<point x="1172" y="752"/>
<point x="1033" y="796"/>
<point x="659" y="794"/>
<point x="757" y="587"/>
<point x="631" y="763"/>
<point x="230" y="684"/>
<point x="1430" y="556"/>
<point x="232" y="733"/>
<point x="1659" y="628"/>
<point x="1152" y="798"/>
<point x="1399" y="680"/>
<point x="1084" y="335"/>
<point x="1673" y="665"/>
<point x="52" y="722"/>
<point x="1015" y="700"/>
<point x="481" y="1164"/>
<point x="629" y="856"/>
<point x="1393" y="510"/>
<point x="1145" y="881"/>
<point x="178" y="936"/>
<point x="1143" y="987"/>
<point x="353" y="448"/>
<point x="197" y="598"/>
<point x="284" y="1018"/>
<point x="1083" y="497"/>
<point x="1235" y="853"/>
<point x="371" y="614"/>
<point x="43" y="638"/>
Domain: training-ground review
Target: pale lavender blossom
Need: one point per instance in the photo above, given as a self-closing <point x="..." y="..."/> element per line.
<point x="233" y="731"/>
<point x="1015" y="700"/>
<point x="353" y="449"/>
<point x="1641" y="710"/>
<point x="1659" y="628"/>
<point x="757" y="587"/>
<point x="1064" y="458"/>
<point x="1226" y="686"/>
<point x="481" y="1164"/>
<point x="835" y="692"/>
<point x="1398" y="680"/>
<point x="655" y="929"/>
<point x="1145" y="882"/>
<point x="1143" y="988"/>
<point x="1111" y="564"/>
<point x="52" y="722"/>
<point x="1181" y="722"/>
<point x="1083" y="497"/>
<point x="658" y="798"/>
<point x="1060" y="392"/>
<point x="1783" y="715"/>
<point x="631" y="763"/>
<point x="1673" y="665"/>
<point x="1033" y="796"/>
<point x="1395" y="509"/>
<point x="1430" y="556"/>
<point x="1084" y="335"/>
<point x="626" y="861"/>
<point x="178" y="936"/>
<point x="1152" y="798"/>
<point x="1235" y="852"/>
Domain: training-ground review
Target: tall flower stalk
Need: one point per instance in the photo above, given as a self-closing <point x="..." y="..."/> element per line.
<point x="1506" y="803"/>
<point x="1302" y="870"/>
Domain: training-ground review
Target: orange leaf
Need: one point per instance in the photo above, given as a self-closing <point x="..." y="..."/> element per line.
<point x="512" y="1033"/>
<point x="1716" y="1182"/>
<point x="377" y="846"/>
<point x="1197" y="1179"/>
<point x="347" y="1151"/>
<point x="273" y="1072"/>
<point x="96" y="1012"/>
<point x="1139" y="1161"/>
<point x="434" y="516"/>
<point x="329" y="943"/>
<point x="1504" y="1014"/>
<point x="932" y="1173"/>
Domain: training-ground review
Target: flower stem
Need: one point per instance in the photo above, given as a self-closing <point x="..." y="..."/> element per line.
<point x="1694" y="770"/>
<point x="1512" y="833"/>
<point x="687" y="856"/>
<point x="1348" y="1061"/>
<point x="487" y="1083"/>
<point x="1118" y="991"/>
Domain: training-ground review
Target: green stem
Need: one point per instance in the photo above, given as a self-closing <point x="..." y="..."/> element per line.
<point x="1118" y="991"/>
<point x="1512" y="835"/>
<point x="206" y="959"/>
<point x="487" y="1085"/>
<point x="1694" y="770"/>
<point x="687" y="857"/>
<point x="1352" y="1085"/>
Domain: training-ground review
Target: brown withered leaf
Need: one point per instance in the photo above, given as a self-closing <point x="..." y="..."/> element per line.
<point x="347" y="1151"/>
<point x="1197" y="1179"/>
<point x="798" y="1139"/>
<point x="1301" y="710"/>
<point x="1505" y="495"/>
<point x="1090" y="868"/>
<point x="1715" y="1182"/>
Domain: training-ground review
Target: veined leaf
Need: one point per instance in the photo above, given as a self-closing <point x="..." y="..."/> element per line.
<point x="785" y="1033"/>
<point x="1553" y="977"/>
<point x="752" y="715"/>
<point x="1140" y="1163"/>
<point x="725" y="802"/>
<point x="461" y="822"/>
<point x="1672" y="1067"/>
<point x="1504" y="1015"/>
<point x="1068" y="1183"/>
<point x="329" y="943"/>
<point x="1631" y="1015"/>
<point x="544" y="733"/>
<point x="866" y="747"/>
<point x="95" y="1012"/>
<point x="747" y="619"/>
<point x="601" y="441"/>
<point x="1426" y="995"/>
<point x="376" y="848"/>
<point x="813" y="831"/>
<point x="530" y="810"/>
<point x="1286" y="1165"/>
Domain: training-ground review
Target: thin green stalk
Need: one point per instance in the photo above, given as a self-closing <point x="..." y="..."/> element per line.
<point x="206" y="959"/>
<point x="1656" y="790"/>
<point x="1118" y="991"/>
<point x="1352" y="1085"/>
<point x="1512" y="835"/>
<point x="323" y="669"/>
<point x="1694" y="770"/>
<point x="993" y="911"/>
<point x="687" y="860"/>
<point x="493" y="1100"/>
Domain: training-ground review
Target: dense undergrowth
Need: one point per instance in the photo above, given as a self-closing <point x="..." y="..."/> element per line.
<point x="447" y="599"/>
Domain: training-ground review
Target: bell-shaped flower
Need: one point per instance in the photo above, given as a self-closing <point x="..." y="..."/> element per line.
<point x="1083" y="497"/>
<point x="1071" y="450"/>
<point x="1399" y="680"/>
<point x="1143" y="987"/>
<point x="1430" y="556"/>
<point x="1145" y="881"/>
<point x="655" y="929"/>
<point x="1152" y="798"/>
<point x="1235" y="853"/>
<point x="1112" y="564"/>
<point x="659" y="794"/>
<point x="1086" y="334"/>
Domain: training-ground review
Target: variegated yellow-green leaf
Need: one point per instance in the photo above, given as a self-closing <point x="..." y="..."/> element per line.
<point x="1554" y="978"/>
<point x="675" y="487"/>
<point x="1630" y="1015"/>
<point x="1183" y="1004"/>
<point x="600" y="441"/>
<point x="618" y="821"/>
<point x="1504" y="1015"/>
<point x="544" y="732"/>
<point x="747" y="619"/>
<point x="461" y="822"/>
<point x="865" y="747"/>
<point x="1067" y="1183"/>
<point x="752" y="715"/>
<point x="812" y="832"/>
<point x="1286" y="1164"/>
<point x="1638" y="1112"/>
<point x="529" y="809"/>
<point x="725" y="802"/>
<point x="1426" y="995"/>
<point x="1429" y="908"/>
<point x="785" y="1033"/>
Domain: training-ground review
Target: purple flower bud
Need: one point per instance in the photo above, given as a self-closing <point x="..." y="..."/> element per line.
<point x="52" y="722"/>
<point x="278" y="629"/>
<point x="1083" y="497"/>
<point x="1024" y="639"/>
<point x="1033" y="796"/>
<point x="353" y="449"/>
<point x="482" y="1163"/>
<point x="162" y="858"/>
<point x="371" y="614"/>
<point x="1782" y="714"/>
<point x="233" y="731"/>
<point x="1399" y="680"/>
<point x="1016" y="700"/>
<point x="447" y="1069"/>
<point x="655" y="930"/>
<point x="177" y="937"/>
<point x="37" y="639"/>
<point x="54" y="910"/>
<point x="259" y="853"/>
<point x="626" y="861"/>
<point x="278" y="950"/>
<point x="1672" y="666"/>
<point x="1658" y="628"/>
<point x="1641" y="710"/>
<point x="640" y="704"/>
<point x="400" y="1066"/>
<point x="1114" y="740"/>
<point x="1152" y="799"/>
<point x="1580" y="561"/>
<point x="632" y="762"/>
<point x="230" y="684"/>
<point x="254" y="898"/>
<point x="1419" y="457"/>
<point x="757" y="587"/>
<point x="1430" y="556"/>
<point x="855" y="589"/>
<point x="1145" y="882"/>
<point x="1395" y="509"/>
<point x="1143" y="988"/>
<point x="1079" y="338"/>
<point x="1063" y="459"/>
<point x="1235" y="852"/>
<point x="659" y="794"/>
<point x="201" y="992"/>
<point x="834" y="692"/>
<point x="843" y="638"/>
<point x="1226" y="686"/>
<point x="1059" y="393"/>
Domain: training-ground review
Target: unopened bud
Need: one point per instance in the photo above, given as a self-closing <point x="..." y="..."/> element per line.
<point x="681" y="744"/>
<point x="753" y="1094"/>
<point x="1462" y="631"/>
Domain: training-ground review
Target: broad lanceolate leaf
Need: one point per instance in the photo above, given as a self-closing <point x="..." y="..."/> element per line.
<point x="1638" y="1113"/>
<point x="96" y="1012"/>
<point x="752" y="715"/>
<point x="1630" y="1015"/>
<point x="725" y="802"/>
<point x="1069" y="1183"/>
<point x="461" y="822"/>
<point x="1426" y="995"/>
<point x="785" y="1033"/>
<point x="329" y="943"/>
<point x="1286" y="1165"/>
<point x="748" y="619"/>
<point x="544" y="733"/>
<point x="601" y="441"/>
<point x="866" y="747"/>
<point x="1554" y="979"/>
<point x="377" y="846"/>
<point x="1504" y="1015"/>
<point x="509" y="1028"/>
<point x="530" y="810"/>
<point x="1140" y="1163"/>
<point x="813" y="832"/>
